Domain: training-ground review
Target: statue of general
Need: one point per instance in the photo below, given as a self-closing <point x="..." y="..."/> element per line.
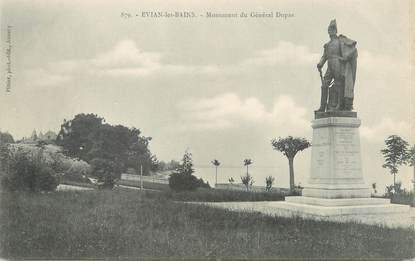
<point x="338" y="81"/>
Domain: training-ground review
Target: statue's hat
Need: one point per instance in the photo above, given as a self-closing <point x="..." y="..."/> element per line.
<point x="333" y="24"/>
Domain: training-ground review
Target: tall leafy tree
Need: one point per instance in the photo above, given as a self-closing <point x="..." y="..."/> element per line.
<point x="76" y="136"/>
<point x="216" y="163"/>
<point x="88" y="137"/>
<point x="6" y="138"/>
<point x="290" y="146"/>
<point x="395" y="154"/>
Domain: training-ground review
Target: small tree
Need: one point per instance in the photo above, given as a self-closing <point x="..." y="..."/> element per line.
<point x="411" y="162"/>
<point x="269" y="181"/>
<point x="247" y="162"/>
<point x="216" y="163"/>
<point x="289" y="146"/>
<point x="186" y="167"/>
<point x="247" y="180"/>
<point x="395" y="154"/>
<point x="182" y="179"/>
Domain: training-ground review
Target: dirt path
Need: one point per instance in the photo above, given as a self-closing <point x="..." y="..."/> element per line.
<point x="271" y="208"/>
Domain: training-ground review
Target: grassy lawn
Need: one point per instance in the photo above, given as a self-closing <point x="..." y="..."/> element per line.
<point x="122" y="224"/>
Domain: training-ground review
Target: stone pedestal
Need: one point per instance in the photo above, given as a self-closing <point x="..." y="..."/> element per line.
<point x="336" y="170"/>
<point x="336" y="186"/>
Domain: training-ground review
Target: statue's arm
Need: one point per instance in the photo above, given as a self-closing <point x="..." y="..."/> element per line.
<point x="323" y="58"/>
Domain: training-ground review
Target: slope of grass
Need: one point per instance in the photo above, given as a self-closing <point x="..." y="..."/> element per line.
<point x="127" y="224"/>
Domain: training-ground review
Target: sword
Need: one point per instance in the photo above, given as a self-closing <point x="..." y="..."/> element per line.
<point x="321" y="77"/>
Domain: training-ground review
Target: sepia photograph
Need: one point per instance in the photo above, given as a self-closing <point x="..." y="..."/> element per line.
<point x="207" y="130"/>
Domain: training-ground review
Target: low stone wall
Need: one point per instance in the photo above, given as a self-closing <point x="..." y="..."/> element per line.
<point x="228" y="186"/>
<point x="152" y="179"/>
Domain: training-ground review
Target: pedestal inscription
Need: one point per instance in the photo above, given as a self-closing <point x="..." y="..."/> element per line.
<point x="335" y="160"/>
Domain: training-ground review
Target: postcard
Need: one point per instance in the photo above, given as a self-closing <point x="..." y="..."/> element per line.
<point x="207" y="130"/>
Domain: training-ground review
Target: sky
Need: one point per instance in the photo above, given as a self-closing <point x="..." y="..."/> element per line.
<point x="218" y="87"/>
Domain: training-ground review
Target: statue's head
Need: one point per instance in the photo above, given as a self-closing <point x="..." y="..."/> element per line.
<point x="332" y="30"/>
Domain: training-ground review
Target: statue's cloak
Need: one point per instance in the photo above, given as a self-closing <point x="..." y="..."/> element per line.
<point x="349" y="52"/>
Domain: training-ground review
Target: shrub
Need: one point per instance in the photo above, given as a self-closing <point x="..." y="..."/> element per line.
<point x="374" y="188"/>
<point x="202" y="184"/>
<point x="389" y="191"/>
<point x="247" y="180"/>
<point x="106" y="171"/>
<point x="269" y="181"/>
<point x="297" y="191"/>
<point x="403" y="197"/>
<point x="182" y="179"/>
<point x="181" y="182"/>
<point x="78" y="171"/>
<point x="29" y="172"/>
<point x="231" y="180"/>
<point x="398" y="187"/>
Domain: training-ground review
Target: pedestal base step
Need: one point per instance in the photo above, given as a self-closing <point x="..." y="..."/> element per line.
<point x="339" y="207"/>
<point x="335" y="192"/>
<point x="337" y="201"/>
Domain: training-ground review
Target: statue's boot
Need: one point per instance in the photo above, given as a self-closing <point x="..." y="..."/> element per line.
<point x="348" y="104"/>
<point x="323" y="101"/>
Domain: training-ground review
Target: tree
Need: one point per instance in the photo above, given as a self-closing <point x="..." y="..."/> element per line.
<point x="6" y="138"/>
<point x="75" y="136"/>
<point x="87" y="137"/>
<point x="231" y="180"/>
<point x="186" y="167"/>
<point x="216" y="163"/>
<point x="411" y="161"/>
<point x="247" y="180"/>
<point x="34" y="135"/>
<point x="182" y="179"/>
<point x="289" y="146"/>
<point x="395" y="154"/>
<point x="247" y="162"/>
<point x="269" y="181"/>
